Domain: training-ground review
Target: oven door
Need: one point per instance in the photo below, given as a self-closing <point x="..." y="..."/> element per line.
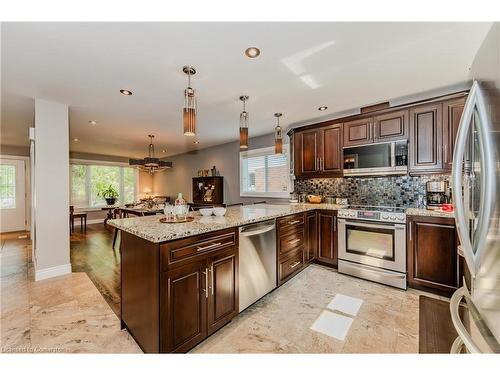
<point x="380" y="245"/>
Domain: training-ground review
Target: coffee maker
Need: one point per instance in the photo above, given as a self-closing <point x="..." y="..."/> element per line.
<point x="436" y="194"/>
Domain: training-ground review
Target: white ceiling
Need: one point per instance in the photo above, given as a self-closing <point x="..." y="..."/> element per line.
<point x="302" y="66"/>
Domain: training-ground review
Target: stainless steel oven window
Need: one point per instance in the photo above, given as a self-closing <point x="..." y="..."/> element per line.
<point x="372" y="242"/>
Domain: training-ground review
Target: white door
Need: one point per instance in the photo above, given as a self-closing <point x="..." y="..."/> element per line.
<point x="12" y="195"/>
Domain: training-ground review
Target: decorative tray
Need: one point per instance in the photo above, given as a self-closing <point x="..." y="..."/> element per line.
<point x="176" y="221"/>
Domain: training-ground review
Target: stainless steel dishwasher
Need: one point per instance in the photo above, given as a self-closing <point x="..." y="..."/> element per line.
<point x="257" y="262"/>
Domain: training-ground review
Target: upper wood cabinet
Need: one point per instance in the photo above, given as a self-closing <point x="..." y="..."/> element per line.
<point x="390" y="126"/>
<point x="452" y="112"/>
<point x="432" y="254"/>
<point x="426" y="139"/>
<point x="318" y="152"/>
<point x="358" y="132"/>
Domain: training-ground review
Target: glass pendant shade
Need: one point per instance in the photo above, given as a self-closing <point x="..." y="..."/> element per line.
<point x="189" y="110"/>
<point x="278" y="136"/>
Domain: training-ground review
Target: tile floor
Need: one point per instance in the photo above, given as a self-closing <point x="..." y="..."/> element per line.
<point x="318" y="311"/>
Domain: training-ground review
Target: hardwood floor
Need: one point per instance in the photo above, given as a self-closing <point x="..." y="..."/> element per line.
<point x="92" y="253"/>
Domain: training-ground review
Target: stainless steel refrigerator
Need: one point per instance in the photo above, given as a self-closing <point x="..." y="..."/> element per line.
<point x="476" y="190"/>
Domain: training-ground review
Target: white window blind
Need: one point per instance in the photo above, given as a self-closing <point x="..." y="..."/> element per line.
<point x="264" y="173"/>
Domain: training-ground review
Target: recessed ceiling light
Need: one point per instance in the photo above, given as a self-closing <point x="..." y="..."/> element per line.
<point x="196" y="142"/>
<point x="323" y="108"/>
<point x="163" y="151"/>
<point x="75" y="139"/>
<point x="252" y="52"/>
<point x="92" y="122"/>
<point x="126" y="92"/>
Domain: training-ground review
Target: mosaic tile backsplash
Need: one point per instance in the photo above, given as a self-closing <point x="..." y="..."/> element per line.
<point x="399" y="191"/>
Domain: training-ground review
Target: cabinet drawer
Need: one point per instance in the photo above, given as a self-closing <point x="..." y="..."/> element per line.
<point x="290" y="223"/>
<point x="187" y="249"/>
<point x="289" y="267"/>
<point x="291" y="241"/>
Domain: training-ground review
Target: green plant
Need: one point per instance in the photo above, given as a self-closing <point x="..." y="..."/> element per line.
<point x="109" y="192"/>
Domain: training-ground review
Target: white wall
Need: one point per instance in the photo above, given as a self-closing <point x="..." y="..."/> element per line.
<point x="51" y="192"/>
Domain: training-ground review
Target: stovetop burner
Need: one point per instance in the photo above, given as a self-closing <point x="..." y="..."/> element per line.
<point x="376" y="208"/>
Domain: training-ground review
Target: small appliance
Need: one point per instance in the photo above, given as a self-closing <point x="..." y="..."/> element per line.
<point x="436" y="194"/>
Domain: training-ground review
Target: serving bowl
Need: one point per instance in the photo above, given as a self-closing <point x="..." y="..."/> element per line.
<point x="219" y="211"/>
<point x="206" y="211"/>
<point x="314" y="198"/>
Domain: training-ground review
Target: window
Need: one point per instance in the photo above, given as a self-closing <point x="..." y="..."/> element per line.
<point x="88" y="180"/>
<point x="7" y="186"/>
<point x="264" y="173"/>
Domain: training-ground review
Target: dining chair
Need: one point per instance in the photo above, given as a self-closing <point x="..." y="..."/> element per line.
<point x="72" y="216"/>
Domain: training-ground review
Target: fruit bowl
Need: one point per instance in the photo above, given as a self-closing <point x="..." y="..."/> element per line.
<point x="314" y="198"/>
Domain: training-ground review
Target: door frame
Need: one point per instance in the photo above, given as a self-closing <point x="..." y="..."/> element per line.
<point x="27" y="187"/>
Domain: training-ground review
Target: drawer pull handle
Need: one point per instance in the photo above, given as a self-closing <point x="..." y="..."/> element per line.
<point x="206" y="282"/>
<point x="294" y="222"/>
<point x="294" y="241"/>
<point x="295" y="264"/>
<point x="201" y="248"/>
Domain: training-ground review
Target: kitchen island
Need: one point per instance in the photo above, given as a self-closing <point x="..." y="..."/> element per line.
<point x="179" y="282"/>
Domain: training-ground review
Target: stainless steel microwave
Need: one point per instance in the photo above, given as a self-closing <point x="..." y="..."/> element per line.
<point x="376" y="159"/>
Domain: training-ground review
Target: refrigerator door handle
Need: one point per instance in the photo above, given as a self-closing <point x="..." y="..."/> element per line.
<point x="463" y="335"/>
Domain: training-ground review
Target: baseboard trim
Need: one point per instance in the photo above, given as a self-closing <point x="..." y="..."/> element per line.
<point x="93" y="221"/>
<point x="47" y="273"/>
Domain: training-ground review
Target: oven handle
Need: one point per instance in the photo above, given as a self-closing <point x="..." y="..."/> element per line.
<point x="381" y="226"/>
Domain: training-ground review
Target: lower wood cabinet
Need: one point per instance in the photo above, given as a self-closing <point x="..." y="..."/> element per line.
<point x="327" y="237"/>
<point x="433" y="263"/>
<point x="291" y="243"/>
<point x="311" y="243"/>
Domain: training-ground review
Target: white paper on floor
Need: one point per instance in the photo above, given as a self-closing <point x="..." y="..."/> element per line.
<point x="333" y="325"/>
<point x="347" y="305"/>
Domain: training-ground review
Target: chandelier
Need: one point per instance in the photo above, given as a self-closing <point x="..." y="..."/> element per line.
<point x="151" y="163"/>
<point x="244" y="124"/>
<point x="278" y="136"/>
<point x="189" y="111"/>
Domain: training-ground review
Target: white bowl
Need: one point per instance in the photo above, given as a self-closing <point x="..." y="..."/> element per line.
<point x="206" y="211"/>
<point x="219" y="211"/>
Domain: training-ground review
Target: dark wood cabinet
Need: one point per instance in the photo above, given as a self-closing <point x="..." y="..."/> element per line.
<point x="452" y="112"/>
<point x="185" y="307"/>
<point x="358" y="132"/>
<point x="306" y="153"/>
<point x="291" y="243"/>
<point x="432" y="254"/>
<point x="311" y="246"/>
<point x="327" y="237"/>
<point x="426" y="139"/>
<point x="390" y="126"/>
<point x="223" y="289"/>
<point x="318" y="153"/>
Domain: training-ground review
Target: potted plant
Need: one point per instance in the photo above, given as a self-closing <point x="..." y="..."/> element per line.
<point x="110" y="194"/>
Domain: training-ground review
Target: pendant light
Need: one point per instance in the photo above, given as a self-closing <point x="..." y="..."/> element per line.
<point x="244" y="124"/>
<point x="189" y="111"/>
<point x="278" y="136"/>
<point x="150" y="163"/>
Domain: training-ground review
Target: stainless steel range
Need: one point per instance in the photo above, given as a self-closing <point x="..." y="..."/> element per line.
<point x="372" y="244"/>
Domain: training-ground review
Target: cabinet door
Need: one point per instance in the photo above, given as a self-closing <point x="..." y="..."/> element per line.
<point x="306" y="153"/>
<point x="432" y="255"/>
<point x="223" y="289"/>
<point x="358" y="132"/>
<point x="452" y="112"/>
<point x="327" y="232"/>
<point x="331" y="150"/>
<point x="391" y="126"/>
<point x="311" y="246"/>
<point x="426" y="138"/>
<point x="184" y="307"/>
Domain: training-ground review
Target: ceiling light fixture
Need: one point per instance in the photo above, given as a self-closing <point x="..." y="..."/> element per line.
<point x="163" y="150"/>
<point x="278" y="136"/>
<point x="151" y="163"/>
<point x="126" y="92"/>
<point x="244" y="124"/>
<point x="189" y="111"/>
<point x="252" y="52"/>
<point x="196" y="142"/>
<point x="323" y="108"/>
<point x="75" y="139"/>
<point x="92" y="122"/>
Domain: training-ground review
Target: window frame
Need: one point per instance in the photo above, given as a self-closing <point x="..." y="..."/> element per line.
<point x="265" y="151"/>
<point x="88" y="187"/>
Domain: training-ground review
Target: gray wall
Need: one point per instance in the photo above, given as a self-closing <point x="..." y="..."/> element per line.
<point x="225" y="158"/>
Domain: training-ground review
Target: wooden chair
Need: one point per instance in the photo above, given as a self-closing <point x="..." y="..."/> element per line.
<point x="72" y="216"/>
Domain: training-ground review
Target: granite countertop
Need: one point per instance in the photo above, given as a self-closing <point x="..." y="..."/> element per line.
<point x="425" y="212"/>
<point x="150" y="228"/>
